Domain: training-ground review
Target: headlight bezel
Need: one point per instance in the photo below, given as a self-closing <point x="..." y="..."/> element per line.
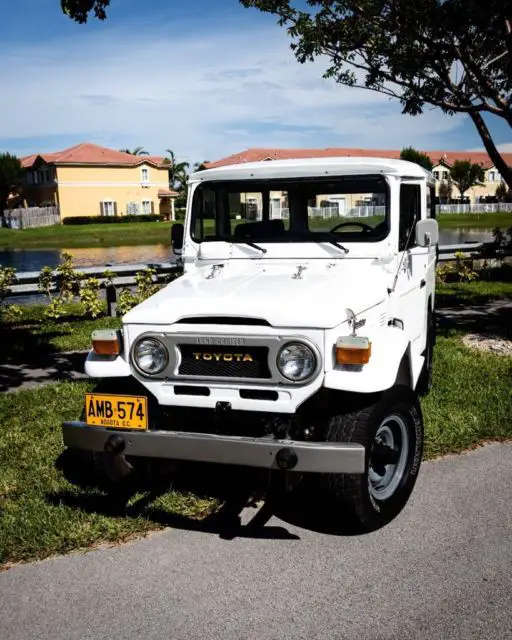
<point x="161" y="344"/>
<point x="315" y="362"/>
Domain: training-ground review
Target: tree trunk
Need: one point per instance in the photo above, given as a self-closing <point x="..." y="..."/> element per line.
<point x="490" y="147"/>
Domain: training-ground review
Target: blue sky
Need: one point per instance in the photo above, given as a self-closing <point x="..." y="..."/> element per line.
<point x="204" y="77"/>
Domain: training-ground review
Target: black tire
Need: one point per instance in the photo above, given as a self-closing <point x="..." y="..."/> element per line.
<point x="357" y="499"/>
<point x="426" y="377"/>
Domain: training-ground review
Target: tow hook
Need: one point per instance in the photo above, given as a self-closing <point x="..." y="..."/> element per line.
<point x="115" y="444"/>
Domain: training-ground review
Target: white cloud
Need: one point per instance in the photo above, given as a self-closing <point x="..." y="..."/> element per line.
<point x="504" y="148"/>
<point x="203" y="96"/>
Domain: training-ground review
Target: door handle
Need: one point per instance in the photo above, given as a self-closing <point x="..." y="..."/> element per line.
<point x="423" y="283"/>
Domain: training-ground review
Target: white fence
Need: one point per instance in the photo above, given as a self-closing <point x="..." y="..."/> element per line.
<point x="331" y="212"/>
<point x="474" y="208"/>
<point x="370" y="210"/>
<point x="32" y="217"/>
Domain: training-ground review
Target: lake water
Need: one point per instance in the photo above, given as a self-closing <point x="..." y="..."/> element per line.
<point x="35" y="259"/>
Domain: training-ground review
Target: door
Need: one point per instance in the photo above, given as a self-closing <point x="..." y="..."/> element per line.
<point x="412" y="277"/>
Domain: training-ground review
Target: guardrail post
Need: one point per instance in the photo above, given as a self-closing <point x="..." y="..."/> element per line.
<point x="111" y="292"/>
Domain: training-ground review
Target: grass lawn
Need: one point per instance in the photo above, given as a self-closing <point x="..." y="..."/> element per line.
<point x="33" y="337"/>
<point x="473" y="293"/>
<point x="42" y="512"/>
<point x="136" y="233"/>
<point x="475" y="220"/>
<point x="87" y="235"/>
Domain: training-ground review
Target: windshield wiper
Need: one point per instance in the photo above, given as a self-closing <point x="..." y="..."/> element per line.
<point x="250" y="244"/>
<point x="335" y="243"/>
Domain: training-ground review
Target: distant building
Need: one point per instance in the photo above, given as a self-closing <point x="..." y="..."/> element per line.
<point x="89" y="180"/>
<point x="442" y="160"/>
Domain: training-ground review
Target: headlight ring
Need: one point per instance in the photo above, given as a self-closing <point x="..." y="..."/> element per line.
<point x="150" y="356"/>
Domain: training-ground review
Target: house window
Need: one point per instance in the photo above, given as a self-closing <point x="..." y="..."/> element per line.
<point x="436" y="175"/>
<point x="36" y="177"/>
<point x="445" y="175"/>
<point x="147" y="207"/>
<point x="108" y="208"/>
<point x="144" y="174"/>
<point x="491" y="176"/>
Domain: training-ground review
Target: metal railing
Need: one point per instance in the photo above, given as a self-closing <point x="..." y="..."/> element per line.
<point x="124" y="275"/>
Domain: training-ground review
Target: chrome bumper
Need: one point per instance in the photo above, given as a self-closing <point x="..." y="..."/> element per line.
<point x="291" y="455"/>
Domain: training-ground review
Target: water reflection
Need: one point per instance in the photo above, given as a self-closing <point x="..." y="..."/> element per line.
<point x="35" y="259"/>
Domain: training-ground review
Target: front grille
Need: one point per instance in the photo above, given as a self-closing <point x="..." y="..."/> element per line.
<point x="224" y="362"/>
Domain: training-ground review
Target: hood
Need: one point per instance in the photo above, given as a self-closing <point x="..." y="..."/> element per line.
<point x="312" y="294"/>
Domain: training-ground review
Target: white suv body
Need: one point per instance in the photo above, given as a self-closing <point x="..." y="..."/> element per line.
<point x="270" y="303"/>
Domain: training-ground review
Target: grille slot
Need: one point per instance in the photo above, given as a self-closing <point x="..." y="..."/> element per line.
<point x="224" y="362"/>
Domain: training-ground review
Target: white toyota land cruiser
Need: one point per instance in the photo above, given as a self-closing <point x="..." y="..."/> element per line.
<point x="298" y="338"/>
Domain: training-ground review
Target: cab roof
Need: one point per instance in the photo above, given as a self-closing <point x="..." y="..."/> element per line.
<point x="313" y="167"/>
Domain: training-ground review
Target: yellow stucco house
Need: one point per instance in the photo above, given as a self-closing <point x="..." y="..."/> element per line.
<point x="89" y="180"/>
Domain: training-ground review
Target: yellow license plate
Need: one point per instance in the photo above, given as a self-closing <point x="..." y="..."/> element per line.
<point x="116" y="412"/>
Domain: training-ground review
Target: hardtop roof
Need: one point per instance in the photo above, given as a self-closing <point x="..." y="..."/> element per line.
<point x="313" y="167"/>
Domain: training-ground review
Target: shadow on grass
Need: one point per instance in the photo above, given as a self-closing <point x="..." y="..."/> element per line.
<point x="232" y="487"/>
<point x="493" y="318"/>
<point x="28" y="357"/>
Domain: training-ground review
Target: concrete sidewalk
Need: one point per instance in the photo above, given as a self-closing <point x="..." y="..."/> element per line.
<point x="441" y="570"/>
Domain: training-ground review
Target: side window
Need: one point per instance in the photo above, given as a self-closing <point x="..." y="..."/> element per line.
<point x="410" y="212"/>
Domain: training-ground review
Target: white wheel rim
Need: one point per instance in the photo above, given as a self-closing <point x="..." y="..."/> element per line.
<point x="393" y="433"/>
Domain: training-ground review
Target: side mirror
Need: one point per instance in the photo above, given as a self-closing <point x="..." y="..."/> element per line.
<point x="177" y="233"/>
<point x="427" y="233"/>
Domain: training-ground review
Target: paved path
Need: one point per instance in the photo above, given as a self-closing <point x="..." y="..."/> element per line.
<point x="56" y="367"/>
<point x="442" y="570"/>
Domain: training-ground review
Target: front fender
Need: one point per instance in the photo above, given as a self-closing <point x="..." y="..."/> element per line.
<point x="389" y="344"/>
<point x="105" y="367"/>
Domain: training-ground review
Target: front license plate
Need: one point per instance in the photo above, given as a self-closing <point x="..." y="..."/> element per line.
<point x="116" y="412"/>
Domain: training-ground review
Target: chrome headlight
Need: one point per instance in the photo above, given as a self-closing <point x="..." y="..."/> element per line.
<point x="150" y="356"/>
<point x="296" y="361"/>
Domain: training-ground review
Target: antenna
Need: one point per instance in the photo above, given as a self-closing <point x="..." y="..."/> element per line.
<point x="406" y="247"/>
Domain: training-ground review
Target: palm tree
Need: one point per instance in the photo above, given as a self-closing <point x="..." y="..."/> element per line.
<point x="138" y="151"/>
<point x="178" y="171"/>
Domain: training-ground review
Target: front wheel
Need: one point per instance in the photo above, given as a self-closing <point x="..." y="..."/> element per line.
<point x="391" y="430"/>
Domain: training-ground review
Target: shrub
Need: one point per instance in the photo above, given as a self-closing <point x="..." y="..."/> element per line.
<point x="80" y="220"/>
<point x="7" y="279"/>
<point x="65" y="280"/>
<point x="145" y="289"/>
<point x="89" y="297"/>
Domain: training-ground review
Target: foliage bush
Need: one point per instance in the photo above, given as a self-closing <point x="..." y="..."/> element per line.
<point x="7" y="280"/>
<point x="89" y="297"/>
<point x="459" y="271"/>
<point x="60" y="286"/>
<point x="146" y="287"/>
<point x="80" y="220"/>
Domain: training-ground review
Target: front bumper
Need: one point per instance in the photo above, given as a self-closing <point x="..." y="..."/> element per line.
<point x="292" y="455"/>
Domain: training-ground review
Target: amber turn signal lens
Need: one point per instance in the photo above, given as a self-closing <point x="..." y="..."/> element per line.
<point x="106" y="343"/>
<point x="348" y="355"/>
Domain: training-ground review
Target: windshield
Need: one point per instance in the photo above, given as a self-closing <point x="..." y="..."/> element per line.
<point x="344" y="209"/>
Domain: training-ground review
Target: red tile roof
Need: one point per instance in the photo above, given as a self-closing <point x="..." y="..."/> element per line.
<point x="446" y="157"/>
<point x="87" y="153"/>
<point x="167" y="193"/>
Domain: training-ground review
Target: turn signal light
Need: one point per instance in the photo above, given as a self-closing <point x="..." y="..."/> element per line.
<point x="106" y="342"/>
<point x="353" y="350"/>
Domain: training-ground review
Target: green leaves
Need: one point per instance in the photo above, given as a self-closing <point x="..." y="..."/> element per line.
<point x="466" y="174"/>
<point x="79" y="10"/>
<point x="452" y="54"/>
<point x="410" y="154"/>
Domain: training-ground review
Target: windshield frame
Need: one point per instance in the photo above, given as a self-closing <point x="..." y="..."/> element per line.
<point x="267" y="185"/>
